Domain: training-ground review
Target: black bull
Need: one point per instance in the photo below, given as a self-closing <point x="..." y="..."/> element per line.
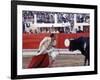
<point x="81" y="44"/>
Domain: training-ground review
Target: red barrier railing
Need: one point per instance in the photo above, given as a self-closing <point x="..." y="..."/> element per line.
<point x="32" y="41"/>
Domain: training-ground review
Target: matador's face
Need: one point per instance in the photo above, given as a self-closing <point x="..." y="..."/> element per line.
<point x="53" y="38"/>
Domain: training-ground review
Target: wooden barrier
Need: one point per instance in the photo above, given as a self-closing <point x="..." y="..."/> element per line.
<point x="32" y="41"/>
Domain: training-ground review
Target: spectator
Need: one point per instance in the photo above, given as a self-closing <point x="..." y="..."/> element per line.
<point x="79" y="30"/>
<point x="56" y="30"/>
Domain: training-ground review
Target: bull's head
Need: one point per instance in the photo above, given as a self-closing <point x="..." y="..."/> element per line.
<point x="73" y="45"/>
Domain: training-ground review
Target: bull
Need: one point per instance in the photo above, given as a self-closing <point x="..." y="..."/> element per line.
<point x="81" y="44"/>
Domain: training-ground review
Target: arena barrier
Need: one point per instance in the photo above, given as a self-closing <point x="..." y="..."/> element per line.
<point x="32" y="41"/>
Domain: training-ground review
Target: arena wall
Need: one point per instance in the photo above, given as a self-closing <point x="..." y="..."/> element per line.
<point x="32" y="41"/>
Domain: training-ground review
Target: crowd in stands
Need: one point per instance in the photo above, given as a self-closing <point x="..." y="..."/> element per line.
<point x="53" y="30"/>
<point x="83" y="18"/>
<point x="45" y="17"/>
<point x="49" y="17"/>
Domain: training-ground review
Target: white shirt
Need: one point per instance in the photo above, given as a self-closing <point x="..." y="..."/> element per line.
<point x="46" y="47"/>
<point x="45" y="43"/>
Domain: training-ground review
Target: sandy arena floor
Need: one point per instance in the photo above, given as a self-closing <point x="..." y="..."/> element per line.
<point x="63" y="60"/>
